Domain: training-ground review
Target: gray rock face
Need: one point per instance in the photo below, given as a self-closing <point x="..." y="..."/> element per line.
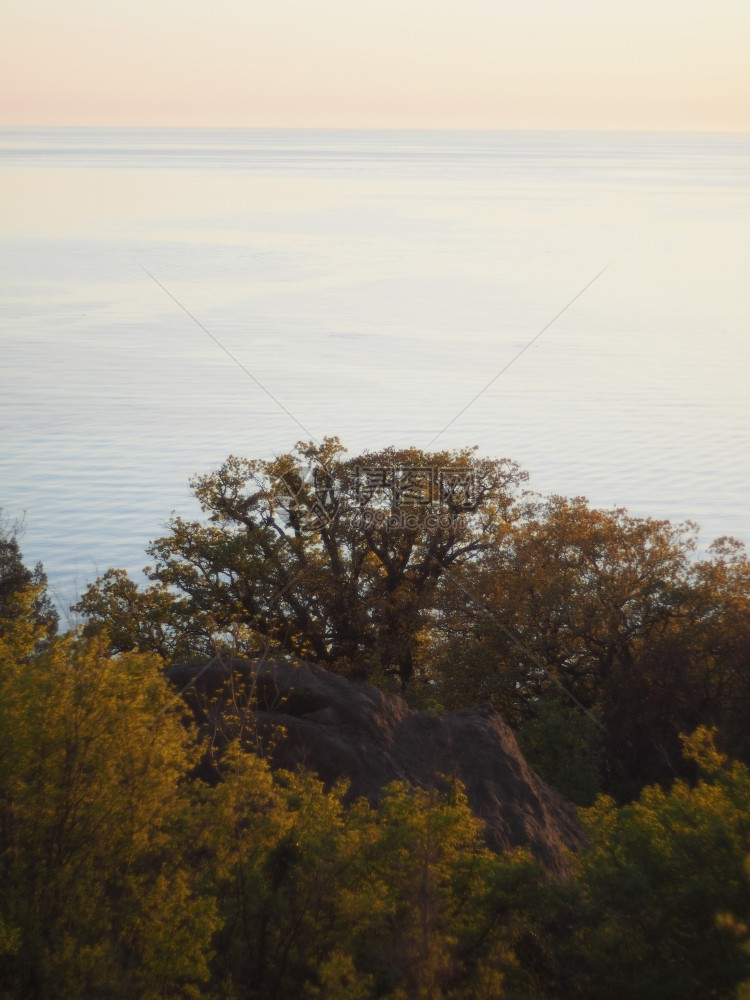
<point x="344" y="730"/>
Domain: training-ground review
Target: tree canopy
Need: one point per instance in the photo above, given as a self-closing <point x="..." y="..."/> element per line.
<point x="316" y="556"/>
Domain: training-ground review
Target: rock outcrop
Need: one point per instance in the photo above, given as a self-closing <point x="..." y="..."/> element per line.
<point x="341" y="729"/>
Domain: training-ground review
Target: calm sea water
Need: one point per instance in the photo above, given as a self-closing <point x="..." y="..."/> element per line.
<point x="373" y="283"/>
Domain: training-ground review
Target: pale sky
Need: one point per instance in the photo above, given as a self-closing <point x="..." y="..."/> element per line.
<point x="598" y="64"/>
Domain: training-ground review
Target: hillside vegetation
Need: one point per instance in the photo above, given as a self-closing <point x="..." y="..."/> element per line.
<point x="146" y="851"/>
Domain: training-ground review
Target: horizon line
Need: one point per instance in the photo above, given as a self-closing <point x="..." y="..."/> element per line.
<point x="388" y="128"/>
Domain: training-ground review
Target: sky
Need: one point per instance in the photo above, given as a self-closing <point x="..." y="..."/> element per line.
<point x="569" y="64"/>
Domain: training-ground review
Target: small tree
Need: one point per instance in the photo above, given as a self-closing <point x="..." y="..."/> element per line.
<point x="15" y="577"/>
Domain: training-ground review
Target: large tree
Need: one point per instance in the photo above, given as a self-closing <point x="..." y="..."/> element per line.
<point x="601" y="611"/>
<point x="99" y="831"/>
<point x="331" y="559"/>
<point x="570" y="593"/>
